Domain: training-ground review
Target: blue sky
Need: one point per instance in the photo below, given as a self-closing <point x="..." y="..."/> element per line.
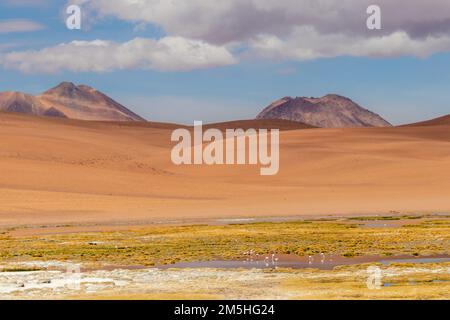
<point x="401" y="87"/>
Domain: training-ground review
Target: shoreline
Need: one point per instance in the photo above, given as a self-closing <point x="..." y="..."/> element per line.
<point x="30" y="229"/>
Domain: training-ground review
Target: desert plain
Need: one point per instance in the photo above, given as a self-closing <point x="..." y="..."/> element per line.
<point x="58" y="171"/>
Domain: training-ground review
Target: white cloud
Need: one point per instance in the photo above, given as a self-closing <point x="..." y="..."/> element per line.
<point x="204" y="33"/>
<point x="228" y="21"/>
<point x="305" y="43"/>
<point x="307" y="29"/>
<point x="166" y="54"/>
<point x="19" y="25"/>
<point x="294" y="29"/>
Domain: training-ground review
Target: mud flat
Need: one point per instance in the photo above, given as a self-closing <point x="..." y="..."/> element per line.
<point x="318" y="261"/>
<point x="425" y="281"/>
<point x="299" y="259"/>
<point x="168" y="244"/>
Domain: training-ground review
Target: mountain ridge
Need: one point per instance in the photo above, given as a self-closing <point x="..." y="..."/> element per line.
<point x="68" y="100"/>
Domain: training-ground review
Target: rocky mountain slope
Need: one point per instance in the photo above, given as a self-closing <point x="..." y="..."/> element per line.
<point x="330" y="111"/>
<point x="69" y="101"/>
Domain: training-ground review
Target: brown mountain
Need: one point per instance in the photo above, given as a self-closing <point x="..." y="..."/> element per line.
<point x="330" y="111"/>
<point x="70" y="101"/>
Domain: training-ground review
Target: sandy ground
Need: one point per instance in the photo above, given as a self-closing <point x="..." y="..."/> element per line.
<point x="66" y="171"/>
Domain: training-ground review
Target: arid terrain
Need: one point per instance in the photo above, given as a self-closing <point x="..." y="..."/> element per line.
<point x="247" y="150"/>
<point x="57" y="171"/>
<point x="106" y="196"/>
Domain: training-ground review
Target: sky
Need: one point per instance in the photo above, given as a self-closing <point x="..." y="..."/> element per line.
<point x="185" y="60"/>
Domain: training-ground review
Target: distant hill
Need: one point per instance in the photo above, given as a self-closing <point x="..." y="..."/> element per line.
<point x="330" y="111"/>
<point x="441" y="121"/>
<point x="282" y="125"/>
<point x="68" y="100"/>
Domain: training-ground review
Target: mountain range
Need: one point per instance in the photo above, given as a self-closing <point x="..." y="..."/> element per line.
<point x="82" y="102"/>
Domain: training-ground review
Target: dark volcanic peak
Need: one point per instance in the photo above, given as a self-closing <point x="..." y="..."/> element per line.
<point x="330" y="111"/>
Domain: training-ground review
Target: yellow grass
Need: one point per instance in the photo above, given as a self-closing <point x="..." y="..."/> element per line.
<point x="168" y="244"/>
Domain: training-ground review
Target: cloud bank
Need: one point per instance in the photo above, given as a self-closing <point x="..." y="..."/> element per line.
<point x="166" y="54"/>
<point x="296" y="29"/>
<point x="227" y="21"/>
<point x="306" y="43"/>
<point x="210" y="33"/>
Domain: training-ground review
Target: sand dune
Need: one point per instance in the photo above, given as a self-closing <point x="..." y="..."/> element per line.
<point x="58" y="171"/>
